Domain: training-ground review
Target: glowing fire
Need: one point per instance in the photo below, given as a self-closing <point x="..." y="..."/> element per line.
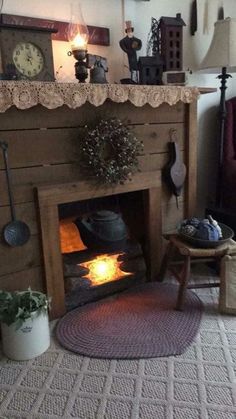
<point x="104" y="268"/>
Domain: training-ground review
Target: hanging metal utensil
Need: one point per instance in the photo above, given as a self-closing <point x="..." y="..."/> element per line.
<point x="15" y="233"/>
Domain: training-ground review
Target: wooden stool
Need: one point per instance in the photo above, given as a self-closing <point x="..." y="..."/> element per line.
<point x="190" y="255"/>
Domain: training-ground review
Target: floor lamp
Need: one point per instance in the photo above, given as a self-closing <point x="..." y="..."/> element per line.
<point x="221" y="58"/>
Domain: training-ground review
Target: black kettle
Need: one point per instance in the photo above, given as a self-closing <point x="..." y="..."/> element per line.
<point x="103" y="231"/>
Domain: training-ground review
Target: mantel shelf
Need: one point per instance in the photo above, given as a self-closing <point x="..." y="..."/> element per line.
<point x="51" y="95"/>
<point x="204" y="90"/>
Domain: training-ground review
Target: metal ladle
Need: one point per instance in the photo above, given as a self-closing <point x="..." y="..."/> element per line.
<point x="16" y="232"/>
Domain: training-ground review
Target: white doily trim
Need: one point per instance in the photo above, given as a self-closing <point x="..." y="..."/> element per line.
<point x="25" y="94"/>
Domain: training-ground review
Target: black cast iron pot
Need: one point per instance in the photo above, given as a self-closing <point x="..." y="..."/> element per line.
<point x="103" y="231"/>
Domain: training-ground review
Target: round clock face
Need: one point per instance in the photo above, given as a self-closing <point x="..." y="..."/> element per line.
<point x="28" y="59"/>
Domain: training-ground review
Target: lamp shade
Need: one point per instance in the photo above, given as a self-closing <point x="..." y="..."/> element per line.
<point x="222" y="51"/>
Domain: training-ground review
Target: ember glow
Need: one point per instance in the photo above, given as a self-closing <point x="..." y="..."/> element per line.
<point x="104" y="268"/>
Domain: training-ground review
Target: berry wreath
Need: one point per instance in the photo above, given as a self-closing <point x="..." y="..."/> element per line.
<point x="110" y="152"/>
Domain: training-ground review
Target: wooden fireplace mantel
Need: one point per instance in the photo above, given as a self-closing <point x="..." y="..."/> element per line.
<point x="42" y="124"/>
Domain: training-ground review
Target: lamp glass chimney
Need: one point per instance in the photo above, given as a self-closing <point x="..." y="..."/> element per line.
<point x="77" y="30"/>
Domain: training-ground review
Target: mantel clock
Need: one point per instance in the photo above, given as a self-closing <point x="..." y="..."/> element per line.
<point x="26" y="53"/>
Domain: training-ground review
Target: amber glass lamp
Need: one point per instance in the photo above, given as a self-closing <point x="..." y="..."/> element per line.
<point x="78" y="37"/>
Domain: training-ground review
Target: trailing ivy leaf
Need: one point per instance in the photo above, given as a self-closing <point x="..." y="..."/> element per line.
<point x="16" y="307"/>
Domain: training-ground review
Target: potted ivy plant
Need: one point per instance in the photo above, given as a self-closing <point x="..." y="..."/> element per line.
<point x="24" y="324"/>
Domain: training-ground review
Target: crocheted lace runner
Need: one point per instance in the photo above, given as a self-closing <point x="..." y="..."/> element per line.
<point x="51" y="95"/>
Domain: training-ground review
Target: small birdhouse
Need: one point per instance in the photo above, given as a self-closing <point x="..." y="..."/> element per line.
<point x="150" y="70"/>
<point x="171" y="36"/>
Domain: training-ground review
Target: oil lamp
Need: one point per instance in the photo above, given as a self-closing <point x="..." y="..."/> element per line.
<point x="78" y="37"/>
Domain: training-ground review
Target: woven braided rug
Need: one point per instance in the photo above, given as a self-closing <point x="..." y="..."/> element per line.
<point x="140" y="322"/>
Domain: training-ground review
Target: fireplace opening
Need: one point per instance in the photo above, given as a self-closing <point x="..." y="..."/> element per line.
<point x="139" y="202"/>
<point x="101" y="255"/>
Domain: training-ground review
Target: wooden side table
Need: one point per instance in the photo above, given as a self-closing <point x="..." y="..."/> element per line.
<point x="188" y="255"/>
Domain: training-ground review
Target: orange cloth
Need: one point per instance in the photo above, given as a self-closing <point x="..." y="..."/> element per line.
<point x="70" y="237"/>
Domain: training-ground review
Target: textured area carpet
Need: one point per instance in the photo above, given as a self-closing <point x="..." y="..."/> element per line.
<point x="199" y="384"/>
<point x="141" y="322"/>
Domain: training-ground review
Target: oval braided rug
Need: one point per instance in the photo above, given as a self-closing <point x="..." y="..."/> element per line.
<point x="138" y="323"/>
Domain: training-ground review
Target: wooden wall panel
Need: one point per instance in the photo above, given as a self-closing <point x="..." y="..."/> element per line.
<point x="25" y="212"/>
<point x="24" y="180"/>
<point x="30" y="277"/>
<point x="41" y="147"/>
<point x="171" y="216"/>
<point x="168" y="197"/>
<point x="156" y="136"/>
<point x="152" y="162"/>
<point x="15" y="259"/>
<point x="191" y="158"/>
<point x="40" y="117"/>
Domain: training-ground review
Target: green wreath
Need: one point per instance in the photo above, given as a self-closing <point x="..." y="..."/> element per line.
<point x="110" y="151"/>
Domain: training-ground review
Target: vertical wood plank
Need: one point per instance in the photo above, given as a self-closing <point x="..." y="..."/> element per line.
<point x="52" y="258"/>
<point x="152" y="204"/>
<point x="191" y="159"/>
